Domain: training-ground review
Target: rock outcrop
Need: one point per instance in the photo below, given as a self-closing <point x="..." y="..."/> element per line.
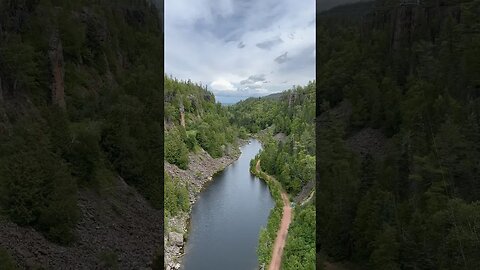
<point x="55" y="54"/>
<point x="182" y="115"/>
<point x="175" y="239"/>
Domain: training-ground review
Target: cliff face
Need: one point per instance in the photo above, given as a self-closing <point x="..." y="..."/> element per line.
<point x="55" y="54"/>
<point x="408" y="23"/>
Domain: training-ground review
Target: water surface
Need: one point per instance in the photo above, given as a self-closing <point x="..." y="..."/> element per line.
<point x="227" y="218"/>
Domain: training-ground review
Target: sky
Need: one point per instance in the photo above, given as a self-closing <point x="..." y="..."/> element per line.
<point x="241" y="48"/>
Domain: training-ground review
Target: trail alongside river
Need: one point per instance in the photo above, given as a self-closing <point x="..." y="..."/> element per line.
<point x="276" y="261"/>
<point x="281" y="238"/>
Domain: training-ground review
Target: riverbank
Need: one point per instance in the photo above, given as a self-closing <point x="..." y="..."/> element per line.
<point x="272" y="238"/>
<point x="201" y="169"/>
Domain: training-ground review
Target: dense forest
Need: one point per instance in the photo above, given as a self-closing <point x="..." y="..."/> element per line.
<point x="291" y="156"/>
<point x="405" y="79"/>
<point x="285" y="124"/>
<point x="80" y="105"/>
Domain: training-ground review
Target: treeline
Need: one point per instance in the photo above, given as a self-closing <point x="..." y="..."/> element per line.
<point x="110" y="125"/>
<point x="417" y="206"/>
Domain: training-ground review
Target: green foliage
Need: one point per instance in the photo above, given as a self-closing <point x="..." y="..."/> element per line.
<point x="176" y="151"/>
<point x="293" y="168"/>
<point x="176" y="196"/>
<point x="409" y="208"/>
<point x="269" y="233"/>
<point x="36" y="187"/>
<point x="299" y="252"/>
<point x="112" y="124"/>
<point x="291" y="160"/>
<point x="207" y="123"/>
<point x="18" y="61"/>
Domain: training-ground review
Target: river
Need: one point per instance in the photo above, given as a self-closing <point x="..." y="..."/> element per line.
<point x="227" y="218"/>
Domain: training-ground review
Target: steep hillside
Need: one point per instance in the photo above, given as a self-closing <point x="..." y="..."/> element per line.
<point x="195" y="120"/>
<point x="399" y="115"/>
<point x="80" y="106"/>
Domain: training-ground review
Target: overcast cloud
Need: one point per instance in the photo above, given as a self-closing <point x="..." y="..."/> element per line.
<point x="241" y="48"/>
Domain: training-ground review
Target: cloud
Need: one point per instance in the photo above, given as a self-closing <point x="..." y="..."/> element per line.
<point x="282" y="58"/>
<point x="210" y="42"/>
<point x="253" y="79"/>
<point x="269" y="44"/>
<point x="222" y="85"/>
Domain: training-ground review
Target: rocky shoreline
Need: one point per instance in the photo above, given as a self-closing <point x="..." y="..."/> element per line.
<point x="201" y="169"/>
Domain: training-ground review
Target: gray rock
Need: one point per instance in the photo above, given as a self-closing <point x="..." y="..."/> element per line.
<point x="175" y="238"/>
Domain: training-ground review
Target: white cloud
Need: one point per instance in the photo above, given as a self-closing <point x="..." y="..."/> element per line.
<point x="222" y="85"/>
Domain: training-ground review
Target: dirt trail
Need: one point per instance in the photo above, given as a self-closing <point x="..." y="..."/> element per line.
<point x="281" y="238"/>
<point x="281" y="234"/>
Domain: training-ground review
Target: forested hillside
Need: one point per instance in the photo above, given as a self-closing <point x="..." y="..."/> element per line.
<point x="194" y="121"/>
<point x="285" y="124"/>
<point x="290" y="156"/>
<point x="80" y="106"/>
<point x="399" y="136"/>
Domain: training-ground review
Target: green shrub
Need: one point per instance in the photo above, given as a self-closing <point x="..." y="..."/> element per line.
<point x="37" y="189"/>
<point x="299" y="252"/>
<point x="176" y="196"/>
<point x="176" y="151"/>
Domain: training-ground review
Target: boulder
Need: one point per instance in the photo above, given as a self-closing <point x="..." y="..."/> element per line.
<point x="175" y="238"/>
